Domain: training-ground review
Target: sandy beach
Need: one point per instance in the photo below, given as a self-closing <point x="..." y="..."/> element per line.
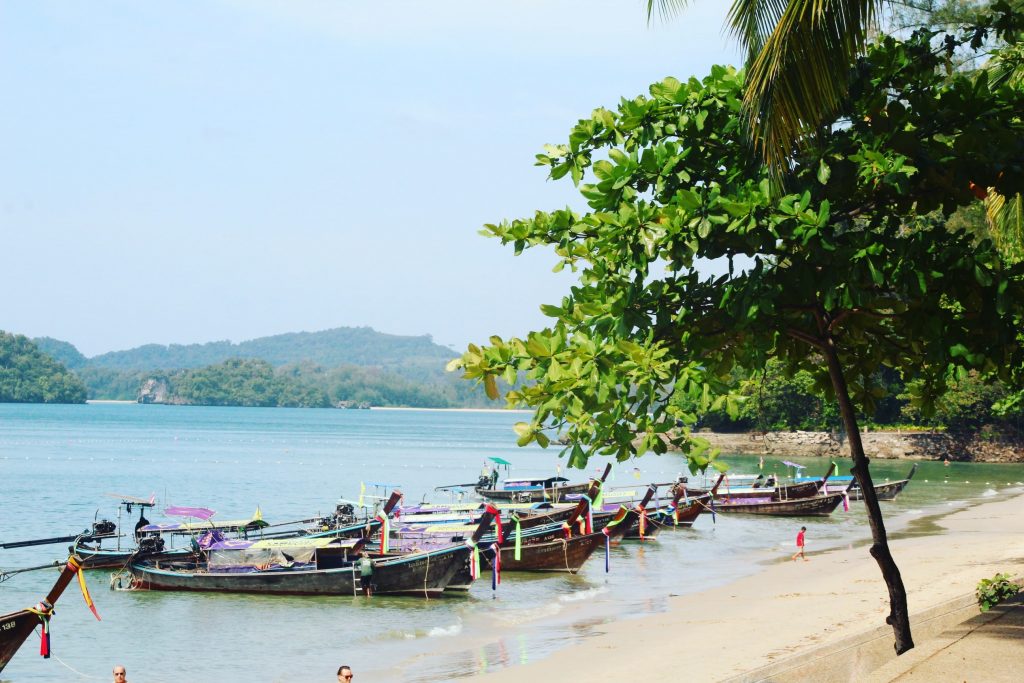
<point x="791" y="607"/>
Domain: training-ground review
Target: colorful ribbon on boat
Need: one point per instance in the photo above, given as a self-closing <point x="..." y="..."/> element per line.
<point x="44" y="611"/>
<point x="497" y="520"/>
<point x="846" y="502"/>
<point x="567" y="528"/>
<point x="607" y="547"/>
<point x="643" y="520"/>
<point x="496" y="567"/>
<point x="599" y="498"/>
<point x="76" y="568"/>
<point x="835" y="469"/>
<point x="675" y="514"/>
<point x="519" y="537"/>
<point x="474" y="559"/>
<point x="385" y="532"/>
<point x="617" y="519"/>
<point x="589" y="529"/>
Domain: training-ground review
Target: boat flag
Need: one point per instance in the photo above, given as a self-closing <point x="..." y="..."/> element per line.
<point x="607" y="547"/>
<point x="44" y="611"/>
<point x="362" y="492"/>
<point x="589" y="528"/>
<point x="519" y="537"/>
<point x="599" y="498"/>
<point x="496" y="567"/>
<point x="474" y="559"/>
<point x="385" y="533"/>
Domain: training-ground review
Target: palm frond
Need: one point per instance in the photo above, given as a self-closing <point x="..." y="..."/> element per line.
<point x="667" y="9"/>
<point x="1006" y="223"/>
<point x="800" y="56"/>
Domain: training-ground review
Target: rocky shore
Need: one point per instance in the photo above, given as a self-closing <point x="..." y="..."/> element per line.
<point x="886" y="445"/>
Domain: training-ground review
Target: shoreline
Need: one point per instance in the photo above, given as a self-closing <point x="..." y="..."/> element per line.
<point x="787" y="608"/>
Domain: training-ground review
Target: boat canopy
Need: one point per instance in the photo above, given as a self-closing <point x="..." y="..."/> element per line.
<point x="281" y="552"/>
<point x="194" y="513"/>
<point x="194" y="527"/>
<point x="500" y="461"/>
<point x="523" y="484"/>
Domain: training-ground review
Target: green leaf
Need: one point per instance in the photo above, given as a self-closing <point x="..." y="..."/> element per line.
<point x="491" y="387"/>
<point x="824" y="172"/>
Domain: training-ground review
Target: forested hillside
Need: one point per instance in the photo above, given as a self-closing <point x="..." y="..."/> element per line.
<point x="343" y="366"/>
<point x="249" y="382"/>
<point x="360" y="346"/>
<point x="27" y="375"/>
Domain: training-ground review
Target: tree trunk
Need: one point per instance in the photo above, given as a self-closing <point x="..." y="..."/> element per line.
<point x="899" y="617"/>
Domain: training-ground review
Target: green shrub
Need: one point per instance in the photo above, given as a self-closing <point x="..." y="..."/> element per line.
<point x="993" y="591"/>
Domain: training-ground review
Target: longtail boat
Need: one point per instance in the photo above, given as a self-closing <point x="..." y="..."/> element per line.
<point x="559" y="555"/>
<point x="531" y="490"/>
<point x="885" y="491"/>
<point x="16" y="627"/>
<point x="150" y="538"/>
<point x="804" y="489"/>
<point x="815" y="506"/>
<point x="308" y="566"/>
<point x="671" y="515"/>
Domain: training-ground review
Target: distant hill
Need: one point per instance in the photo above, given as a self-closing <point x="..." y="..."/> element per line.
<point x="361" y="346"/>
<point x="343" y="366"/>
<point x="61" y="351"/>
<point x="27" y="375"/>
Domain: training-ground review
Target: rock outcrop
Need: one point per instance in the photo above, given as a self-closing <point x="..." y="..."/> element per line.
<point x="886" y="445"/>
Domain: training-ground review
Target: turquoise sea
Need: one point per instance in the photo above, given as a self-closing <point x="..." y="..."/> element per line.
<point x="57" y="463"/>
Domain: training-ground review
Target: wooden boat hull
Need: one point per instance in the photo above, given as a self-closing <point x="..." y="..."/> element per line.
<point x="887" y="491"/>
<point x="787" y="492"/>
<point x="425" y="574"/>
<point x="663" y="518"/>
<point x="817" y="506"/>
<point x="559" y="555"/>
<point x="553" y="493"/>
<point x="16" y="627"/>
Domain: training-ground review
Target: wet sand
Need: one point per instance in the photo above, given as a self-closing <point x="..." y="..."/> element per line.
<point x="790" y="607"/>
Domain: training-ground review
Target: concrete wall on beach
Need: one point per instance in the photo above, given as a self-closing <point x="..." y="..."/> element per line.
<point x="960" y="447"/>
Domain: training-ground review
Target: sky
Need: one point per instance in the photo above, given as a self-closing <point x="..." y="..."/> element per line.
<point x="230" y="169"/>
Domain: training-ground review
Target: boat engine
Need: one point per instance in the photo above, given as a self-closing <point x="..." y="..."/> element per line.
<point x="344" y="515"/>
<point x="104" y="527"/>
<point x="484" y="482"/>
<point x="151" y="544"/>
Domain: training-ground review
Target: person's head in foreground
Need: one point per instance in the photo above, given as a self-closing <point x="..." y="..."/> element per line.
<point x="120" y="674"/>
<point x="344" y="673"/>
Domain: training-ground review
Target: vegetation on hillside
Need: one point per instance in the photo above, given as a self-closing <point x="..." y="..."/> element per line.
<point x="256" y="383"/>
<point x="414" y="357"/>
<point x="27" y="375"/>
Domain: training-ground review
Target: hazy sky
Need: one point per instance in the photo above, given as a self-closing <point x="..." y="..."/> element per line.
<point x="179" y="172"/>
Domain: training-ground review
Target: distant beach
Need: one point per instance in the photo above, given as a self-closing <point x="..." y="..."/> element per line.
<point x="108" y="400"/>
<point x="791" y="607"/>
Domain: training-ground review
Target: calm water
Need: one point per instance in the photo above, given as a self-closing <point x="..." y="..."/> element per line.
<point x="58" y="462"/>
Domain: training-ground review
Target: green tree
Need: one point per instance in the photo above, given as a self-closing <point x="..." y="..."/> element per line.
<point x="848" y="274"/>
<point x="27" y="375"/>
